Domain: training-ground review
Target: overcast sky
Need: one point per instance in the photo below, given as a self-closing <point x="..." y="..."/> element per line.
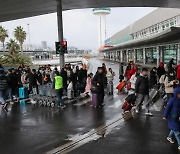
<point x="80" y="26"/>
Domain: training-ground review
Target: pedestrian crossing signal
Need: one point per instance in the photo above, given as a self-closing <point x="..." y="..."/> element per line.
<point x="61" y="47"/>
<point x="64" y="46"/>
<point x="58" y="47"/>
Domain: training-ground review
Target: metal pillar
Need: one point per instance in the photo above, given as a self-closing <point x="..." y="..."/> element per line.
<point x="121" y="52"/>
<point x="178" y="53"/>
<point x="60" y="30"/>
<point x="144" y="56"/>
<point x="135" y="56"/>
<point x="127" y="56"/>
<point x="158" y="55"/>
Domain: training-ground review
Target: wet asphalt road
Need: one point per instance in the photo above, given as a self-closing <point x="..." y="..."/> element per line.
<point x="28" y="129"/>
<point x="32" y="129"/>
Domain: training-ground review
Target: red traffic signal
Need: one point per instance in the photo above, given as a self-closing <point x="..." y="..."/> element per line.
<point x="64" y="46"/>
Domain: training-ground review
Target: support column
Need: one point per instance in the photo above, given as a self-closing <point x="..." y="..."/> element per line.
<point x="158" y="55"/>
<point x="144" y="56"/>
<point x="121" y="52"/>
<point x="127" y="56"/>
<point x="60" y="30"/>
<point x="178" y="53"/>
<point x="134" y="55"/>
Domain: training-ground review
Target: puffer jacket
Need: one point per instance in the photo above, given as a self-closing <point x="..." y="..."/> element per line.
<point x="142" y="85"/>
<point x="3" y="82"/>
<point x="169" y="85"/>
<point x="172" y="111"/>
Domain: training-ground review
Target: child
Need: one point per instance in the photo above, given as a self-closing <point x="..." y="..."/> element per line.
<point x="172" y="112"/>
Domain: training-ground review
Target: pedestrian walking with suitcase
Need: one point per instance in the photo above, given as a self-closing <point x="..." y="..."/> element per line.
<point x="58" y="86"/>
<point x="98" y="84"/>
<point x="172" y="113"/>
<point x="110" y="78"/>
<point x="142" y="92"/>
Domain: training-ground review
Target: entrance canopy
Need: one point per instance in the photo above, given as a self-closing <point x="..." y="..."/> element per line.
<point x="16" y="9"/>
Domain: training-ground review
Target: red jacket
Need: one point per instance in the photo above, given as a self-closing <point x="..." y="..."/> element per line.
<point x="178" y="71"/>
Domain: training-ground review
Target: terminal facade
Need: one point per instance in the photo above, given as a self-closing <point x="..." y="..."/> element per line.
<point x="152" y="39"/>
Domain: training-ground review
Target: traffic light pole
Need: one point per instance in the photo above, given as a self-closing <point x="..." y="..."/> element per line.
<point x="60" y="30"/>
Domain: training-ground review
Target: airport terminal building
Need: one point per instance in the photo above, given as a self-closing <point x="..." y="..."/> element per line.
<point x="152" y="39"/>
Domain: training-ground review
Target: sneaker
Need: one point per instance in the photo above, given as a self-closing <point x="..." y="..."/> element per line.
<point x="5" y="107"/>
<point x="148" y="114"/>
<point x="63" y="106"/>
<point x="137" y="111"/>
<point x="171" y="141"/>
<point x="178" y="147"/>
<point x="58" y="106"/>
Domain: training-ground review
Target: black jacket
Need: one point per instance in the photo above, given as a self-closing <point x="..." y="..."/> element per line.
<point x="33" y="78"/>
<point x="13" y="80"/>
<point x="3" y="82"/>
<point x="160" y="71"/>
<point x="153" y="78"/>
<point x="142" y="85"/>
<point x="99" y="79"/>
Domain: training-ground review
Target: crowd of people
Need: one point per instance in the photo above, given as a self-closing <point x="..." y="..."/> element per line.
<point x="168" y="77"/>
<point x="76" y="80"/>
<point x="70" y="78"/>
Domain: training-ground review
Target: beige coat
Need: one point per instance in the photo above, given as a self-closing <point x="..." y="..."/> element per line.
<point x="168" y="86"/>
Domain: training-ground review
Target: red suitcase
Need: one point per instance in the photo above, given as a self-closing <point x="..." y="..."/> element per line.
<point x="126" y="106"/>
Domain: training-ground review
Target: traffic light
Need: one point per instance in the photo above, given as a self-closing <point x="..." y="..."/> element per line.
<point x="58" y="47"/>
<point x="64" y="46"/>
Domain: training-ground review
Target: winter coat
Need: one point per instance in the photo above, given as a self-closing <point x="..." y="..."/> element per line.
<point x="99" y="79"/>
<point x="172" y="111"/>
<point x="13" y="80"/>
<point x="169" y="85"/>
<point x="153" y="78"/>
<point x="32" y="79"/>
<point x="142" y="85"/>
<point x="3" y="82"/>
<point x="133" y="81"/>
<point x="110" y="76"/>
<point x="88" y="84"/>
<point x="178" y="71"/>
<point x="160" y="71"/>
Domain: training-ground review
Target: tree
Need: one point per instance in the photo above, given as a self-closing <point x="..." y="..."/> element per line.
<point x="3" y="36"/>
<point x="20" y="36"/>
<point x="13" y="47"/>
<point x="14" y="57"/>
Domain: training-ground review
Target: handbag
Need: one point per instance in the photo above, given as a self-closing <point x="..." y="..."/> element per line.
<point x="94" y="89"/>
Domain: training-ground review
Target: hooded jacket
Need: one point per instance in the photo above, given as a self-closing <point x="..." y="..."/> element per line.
<point x="172" y="111"/>
<point x="3" y="82"/>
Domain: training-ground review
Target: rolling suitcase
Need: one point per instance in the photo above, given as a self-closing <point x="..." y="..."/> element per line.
<point x="121" y="85"/>
<point x="95" y="102"/>
<point x="70" y="94"/>
<point x="110" y="88"/>
<point x="23" y="92"/>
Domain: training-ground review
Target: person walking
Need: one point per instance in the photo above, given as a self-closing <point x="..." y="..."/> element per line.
<point x="33" y="79"/>
<point x="99" y="82"/>
<point x="170" y="83"/>
<point x="142" y="91"/>
<point x="3" y="88"/>
<point x="153" y="77"/>
<point x="161" y="70"/>
<point x="110" y="75"/>
<point x="134" y="78"/>
<point x="58" y="86"/>
<point x="172" y="113"/>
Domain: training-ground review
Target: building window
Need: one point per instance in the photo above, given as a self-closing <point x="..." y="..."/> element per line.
<point x="151" y="55"/>
<point x="169" y="52"/>
<point x="139" y="55"/>
<point x="124" y="55"/>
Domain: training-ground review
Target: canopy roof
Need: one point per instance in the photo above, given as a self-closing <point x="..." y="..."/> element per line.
<point x="16" y="9"/>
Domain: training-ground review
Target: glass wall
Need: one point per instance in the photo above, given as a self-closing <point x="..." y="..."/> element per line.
<point x="151" y="55"/>
<point x="169" y="52"/>
<point x="130" y="55"/>
<point x="124" y="56"/>
<point x="139" y="55"/>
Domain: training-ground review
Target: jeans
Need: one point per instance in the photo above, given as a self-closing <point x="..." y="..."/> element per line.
<point x="59" y="94"/>
<point x="2" y="97"/>
<point x="173" y="133"/>
<point x="139" y="101"/>
<point x="13" y="92"/>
